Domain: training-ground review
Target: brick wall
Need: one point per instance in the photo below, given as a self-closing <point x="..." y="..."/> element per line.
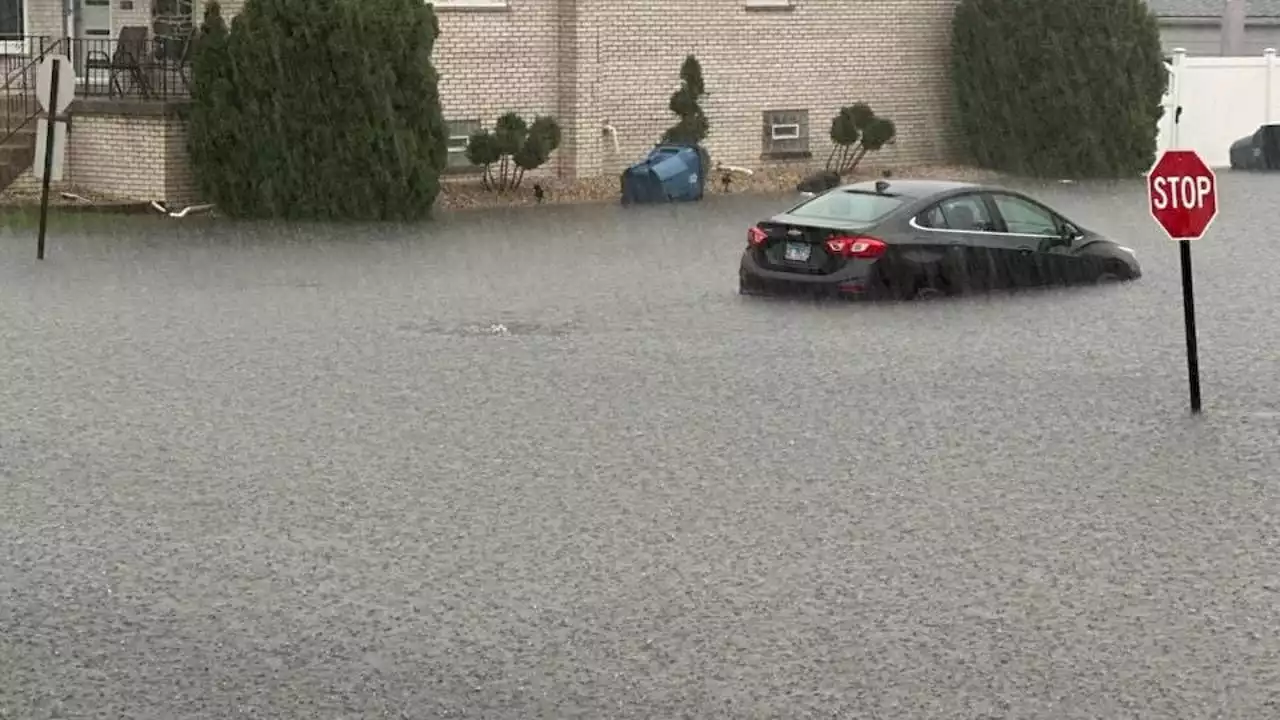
<point x="617" y="61"/>
<point x="132" y="156"/>
<point x="230" y="8"/>
<point x="97" y="145"/>
<point x="44" y="17"/>
<point x="494" y="62"/>
<point x="179" y="182"/>
<point x="123" y="16"/>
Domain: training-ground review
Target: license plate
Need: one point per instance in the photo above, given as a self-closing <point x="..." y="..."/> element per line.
<point x="797" y="252"/>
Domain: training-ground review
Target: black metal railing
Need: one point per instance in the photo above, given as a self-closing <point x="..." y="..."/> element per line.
<point x="18" y="92"/>
<point x="133" y="66"/>
<point x="17" y="50"/>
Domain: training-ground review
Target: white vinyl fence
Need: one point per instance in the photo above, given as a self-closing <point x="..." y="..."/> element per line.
<point x="1223" y="99"/>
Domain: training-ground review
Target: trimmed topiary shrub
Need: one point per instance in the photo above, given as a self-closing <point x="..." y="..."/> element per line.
<point x="693" y="125"/>
<point x="1061" y="88"/>
<point x="322" y="109"/>
<point x="855" y="131"/>
<point x="515" y="147"/>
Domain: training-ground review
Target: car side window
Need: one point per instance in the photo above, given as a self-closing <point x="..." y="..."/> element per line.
<point x="932" y="218"/>
<point x="966" y="212"/>
<point x="1024" y="217"/>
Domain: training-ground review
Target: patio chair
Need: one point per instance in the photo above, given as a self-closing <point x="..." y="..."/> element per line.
<point x="173" y="41"/>
<point x="128" y="57"/>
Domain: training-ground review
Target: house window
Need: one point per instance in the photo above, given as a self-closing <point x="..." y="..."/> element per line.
<point x="12" y="20"/>
<point x="786" y="134"/>
<point x="460" y="132"/>
<point x="171" y="22"/>
<point x="471" y="4"/>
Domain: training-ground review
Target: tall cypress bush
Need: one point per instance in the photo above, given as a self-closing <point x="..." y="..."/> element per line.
<point x="213" y="116"/>
<point x="322" y="109"/>
<point x="1062" y="88"/>
<point x="693" y="125"/>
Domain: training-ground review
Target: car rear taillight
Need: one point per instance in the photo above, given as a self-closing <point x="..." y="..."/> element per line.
<point x="856" y="246"/>
<point x="756" y="237"/>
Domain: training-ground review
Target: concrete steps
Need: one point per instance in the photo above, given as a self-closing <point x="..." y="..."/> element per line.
<point x="16" y="154"/>
<point x="15" y="104"/>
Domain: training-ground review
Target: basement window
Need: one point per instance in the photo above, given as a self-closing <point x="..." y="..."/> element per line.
<point x="785" y="134"/>
<point x="460" y="132"/>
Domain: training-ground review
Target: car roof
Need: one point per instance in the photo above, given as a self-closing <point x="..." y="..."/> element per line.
<point x="914" y="189"/>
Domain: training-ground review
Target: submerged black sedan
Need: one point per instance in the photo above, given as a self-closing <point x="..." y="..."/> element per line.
<point x="916" y="238"/>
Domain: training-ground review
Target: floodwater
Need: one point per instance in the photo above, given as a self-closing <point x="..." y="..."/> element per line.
<point x="547" y="463"/>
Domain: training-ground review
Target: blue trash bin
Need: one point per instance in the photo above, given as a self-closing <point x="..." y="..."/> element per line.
<point x="670" y="173"/>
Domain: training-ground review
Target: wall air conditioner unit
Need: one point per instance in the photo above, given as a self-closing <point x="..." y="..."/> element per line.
<point x="785" y="131"/>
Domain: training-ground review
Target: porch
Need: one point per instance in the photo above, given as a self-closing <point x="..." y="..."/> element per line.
<point x="132" y="66"/>
<point x="118" y="47"/>
<point x="126" y="135"/>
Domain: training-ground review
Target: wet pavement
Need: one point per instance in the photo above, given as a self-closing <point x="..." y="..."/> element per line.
<point x="548" y="464"/>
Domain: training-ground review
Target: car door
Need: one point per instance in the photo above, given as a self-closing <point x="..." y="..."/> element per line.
<point x="941" y="232"/>
<point x="1037" y="233"/>
<point x="984" y="258"/>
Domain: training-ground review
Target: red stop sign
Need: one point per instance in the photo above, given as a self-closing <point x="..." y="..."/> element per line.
<point x="1183" y="194"/>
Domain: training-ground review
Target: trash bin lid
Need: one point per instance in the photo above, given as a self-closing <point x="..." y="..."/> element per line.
<point x="678" y="163"/>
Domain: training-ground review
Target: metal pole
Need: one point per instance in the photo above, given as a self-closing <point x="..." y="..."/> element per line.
<point x="1188" y="297"/>
<point x="1189" y="319"/>
<point x="51" y="114"/>
<point x="1175" y="95"/>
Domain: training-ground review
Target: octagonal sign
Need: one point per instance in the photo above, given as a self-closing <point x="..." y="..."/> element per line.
<point x="1183" y="194"/>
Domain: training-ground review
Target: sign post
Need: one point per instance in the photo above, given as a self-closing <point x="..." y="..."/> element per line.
<point x="1182" y="192"/>
<point x="55" y="89"/>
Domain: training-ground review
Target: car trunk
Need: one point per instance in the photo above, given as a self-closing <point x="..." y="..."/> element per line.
<point x="800" y="248"/>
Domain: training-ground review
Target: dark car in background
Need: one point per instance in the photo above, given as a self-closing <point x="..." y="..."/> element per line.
<point x="916" y="238"/>
<point x="1259" y="151"/>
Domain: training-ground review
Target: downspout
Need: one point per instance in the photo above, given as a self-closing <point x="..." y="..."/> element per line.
<point x="69" y="23"/>
<point x="611" y="132"/>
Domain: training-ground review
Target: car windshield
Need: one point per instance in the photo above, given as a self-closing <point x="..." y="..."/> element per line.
<point x="848" y="206"/>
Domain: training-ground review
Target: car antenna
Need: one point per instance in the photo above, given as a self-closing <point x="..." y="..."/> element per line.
<point x="882" y="186"/>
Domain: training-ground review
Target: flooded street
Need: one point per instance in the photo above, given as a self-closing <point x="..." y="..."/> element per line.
<point x="548" y="463"/>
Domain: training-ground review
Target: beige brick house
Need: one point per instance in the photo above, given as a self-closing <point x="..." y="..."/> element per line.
<point x="776" y="73"/>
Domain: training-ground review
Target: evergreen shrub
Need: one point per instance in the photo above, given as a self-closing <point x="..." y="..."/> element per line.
<point x="693" y="125"/>
<point x="318" y="109"/>
<point x="1060" y="88"/>
<point x="515" y="147"/>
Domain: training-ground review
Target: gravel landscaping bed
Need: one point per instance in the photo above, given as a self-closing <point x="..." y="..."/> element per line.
<point x="467" y="194"/>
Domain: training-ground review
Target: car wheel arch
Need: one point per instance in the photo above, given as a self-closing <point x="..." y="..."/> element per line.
<point x="1110" y="257"/>
<point x="1101" y="248"/>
